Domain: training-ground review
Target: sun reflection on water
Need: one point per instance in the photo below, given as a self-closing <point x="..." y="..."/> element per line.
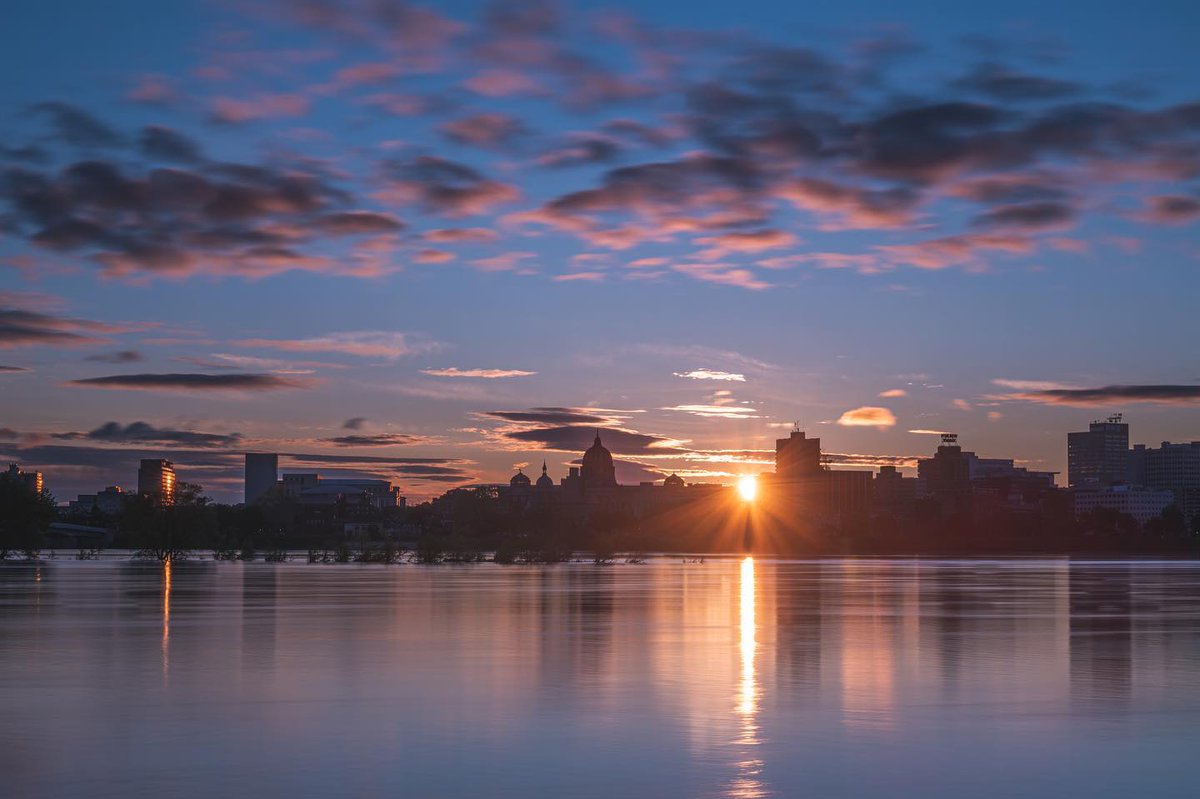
<point x="747" y="783"/>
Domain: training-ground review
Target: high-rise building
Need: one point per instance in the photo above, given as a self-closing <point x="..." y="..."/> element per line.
<point x="1099" y="457"/>
<point x="262" y="475"/>
<point x="32" y="480"/>
<point x="156" y="478"/>
<point x="797" y="457"/>
<point x="948" y="472"/>
<point x="1169" y="467"/>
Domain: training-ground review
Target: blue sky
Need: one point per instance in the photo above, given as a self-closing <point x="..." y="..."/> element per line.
<point x="232" y="226"/>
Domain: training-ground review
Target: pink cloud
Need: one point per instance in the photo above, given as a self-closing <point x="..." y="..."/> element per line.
<point x="267" y="106"/>
<point x="868" y="416"/>
<point x="502" y="83"/>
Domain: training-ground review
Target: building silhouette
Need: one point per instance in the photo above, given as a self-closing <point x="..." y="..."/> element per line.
<point x="1170" y="467"/>
<point x="1099" y="457"/>
<point x="262" y="475"/>
<point x="156" y="478"/>
<point x="32" y="480"/>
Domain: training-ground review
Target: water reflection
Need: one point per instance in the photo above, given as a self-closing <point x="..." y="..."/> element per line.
<point x="737" y="678"/>
<point x="166" y="620"/>
<point x="747" y="783"/>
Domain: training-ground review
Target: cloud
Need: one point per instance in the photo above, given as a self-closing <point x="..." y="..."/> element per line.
<point x="145" y="433"/>
<point x="152" y="90"/>
<point x="490" y="374"/>
<point x="717" y="410"/>
<point x="860" y="459"/>
<point x="164" y="144"/>
<point x="575" y="438"/>
<point x="212" y="218"/>
<point x="868" y="416"/>
<point x="430" y="256"/>
<point x="233" y="110"/>
<point x="1027" y="216"/>
<point x="719" y="273"/>
<point x="460" y="235"/>
<point x="27" y="328"/>
<point x="355" y="223"/>
<point x="1031" y="385"/>
<point x="1166" y="394"/>
<point x="1173" y="209"/>
<point x="504" y="262"/>
<point x="893" y="393"/>
<point x="1004" y="83"/>
<point x="188" y="382"/>
<point x="923" y="432"/>
<point x="379" y="440"/>
<point x="362" y="343"/>
<point x="9" y="369"/>
<point x="121" y="356"/>
<point x="502" y="83"/>
<point x="77" y="127"/>
<point x="354" y="423"/>
<point x="487" y="130"/>
<point x="554" y="416"/>
<point x="580" y="149"/>
<point x="445" y="187"/>
<point x="712" y="374"/>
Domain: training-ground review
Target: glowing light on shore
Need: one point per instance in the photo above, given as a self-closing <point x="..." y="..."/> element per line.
<point x="748" y="489"/>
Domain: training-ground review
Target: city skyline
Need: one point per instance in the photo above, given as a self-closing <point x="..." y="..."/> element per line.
<point x="436" y="245"/>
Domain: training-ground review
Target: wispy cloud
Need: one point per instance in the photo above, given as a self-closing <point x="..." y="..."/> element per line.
<point x="487" y="374"/>
<point x="1164" y="394"/>
<point x="363" y="343"/>
<point x="712" y="374"/>
<point x="189" y="382"/>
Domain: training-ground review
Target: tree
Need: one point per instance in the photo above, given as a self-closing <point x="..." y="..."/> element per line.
<point x="169" y="532"/>
<point x="24" y="514"/>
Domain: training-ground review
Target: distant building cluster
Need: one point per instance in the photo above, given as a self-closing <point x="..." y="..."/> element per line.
<point x="592" y="487"/>
<point x="1103" y="474"/>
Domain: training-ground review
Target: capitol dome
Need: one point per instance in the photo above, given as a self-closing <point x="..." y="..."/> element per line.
<point x="519" y="479"/>
<point x="544" y="481"/>
<point x="598" y="470"/>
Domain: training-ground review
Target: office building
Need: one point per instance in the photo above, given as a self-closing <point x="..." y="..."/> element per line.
<point x="1099" y="457"/>
<point x="797" y="457"/>
<point x="1169" y="467"/>
<point x="32" y="480"/>
<point x="156" y="478"/>
<point x="262" y="475"/>
<point x="1143" y="504"/>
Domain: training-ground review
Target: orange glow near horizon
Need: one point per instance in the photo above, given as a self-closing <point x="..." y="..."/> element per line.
<point x="747" y="487"/>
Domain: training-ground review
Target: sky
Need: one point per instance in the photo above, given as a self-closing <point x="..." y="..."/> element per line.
<point x="437" y="243"/>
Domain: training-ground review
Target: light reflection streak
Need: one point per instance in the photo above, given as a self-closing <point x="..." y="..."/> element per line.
<point x="747" y="784"/>
<point x="166" y="619"/>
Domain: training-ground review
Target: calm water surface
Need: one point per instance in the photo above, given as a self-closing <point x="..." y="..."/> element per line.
<point x="728" y="678"/>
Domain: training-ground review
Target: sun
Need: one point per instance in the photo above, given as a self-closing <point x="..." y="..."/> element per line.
<point x="748" y="487"/>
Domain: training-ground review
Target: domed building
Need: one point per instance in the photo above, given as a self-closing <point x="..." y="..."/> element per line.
<point x="598" y="472"/>
<point x="544" y="483"/>
<point x="520" y="479"/>
<point x="674" y="481"/>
